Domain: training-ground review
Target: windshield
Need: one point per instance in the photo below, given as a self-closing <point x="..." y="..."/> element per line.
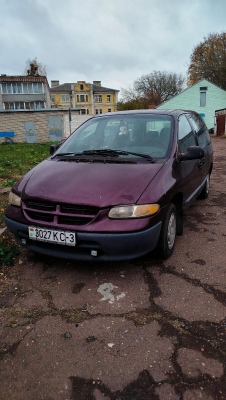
<point x="136" y="134"/>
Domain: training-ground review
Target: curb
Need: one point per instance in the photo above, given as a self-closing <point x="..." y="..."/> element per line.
<point x="5" y="190"/>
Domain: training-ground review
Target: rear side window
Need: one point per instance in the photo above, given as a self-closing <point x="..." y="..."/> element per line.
<point x="186" y="136"/>
<point x="200" y="129"/>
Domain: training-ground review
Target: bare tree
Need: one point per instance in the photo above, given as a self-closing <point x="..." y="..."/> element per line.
<point x="155" y="88"/>
<point x="33" y="67"/>
<point x="208" y="60"/>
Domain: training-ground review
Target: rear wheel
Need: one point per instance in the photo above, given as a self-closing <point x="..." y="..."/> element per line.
<point x="205" y="191"/>
<point x="168" y="233"/>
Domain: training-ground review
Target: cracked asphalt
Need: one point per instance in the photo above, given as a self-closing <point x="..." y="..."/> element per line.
<point x="139" y="330"/>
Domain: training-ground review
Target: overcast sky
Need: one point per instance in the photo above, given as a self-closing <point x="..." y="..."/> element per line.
<point x="114" y="41"/>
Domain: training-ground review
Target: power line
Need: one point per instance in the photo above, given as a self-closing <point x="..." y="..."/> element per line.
<point x="6" y="66"/>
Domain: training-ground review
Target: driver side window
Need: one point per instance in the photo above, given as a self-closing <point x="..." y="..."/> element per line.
<point x="186" y="136"/>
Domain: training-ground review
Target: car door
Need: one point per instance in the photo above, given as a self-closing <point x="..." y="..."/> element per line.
<point x="193" y="175"/>
<point x="204" y="141"/>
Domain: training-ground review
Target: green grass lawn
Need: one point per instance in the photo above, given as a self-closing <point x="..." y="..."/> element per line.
<point x="18" y="158"/>
<point x="15" y="160"/>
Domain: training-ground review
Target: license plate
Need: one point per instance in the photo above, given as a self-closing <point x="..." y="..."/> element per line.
<point x="52" y="236"/>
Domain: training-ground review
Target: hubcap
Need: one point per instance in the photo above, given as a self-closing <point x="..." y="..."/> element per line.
<point x="171" y="234"/>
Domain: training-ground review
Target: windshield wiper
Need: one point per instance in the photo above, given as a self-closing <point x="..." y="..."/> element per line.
<point x="95" y="152"/>
<point x="105" y="153"/>
<point x="116" y="153"/>
<point x="63" y="154"/>
<point x="139" y="155"/>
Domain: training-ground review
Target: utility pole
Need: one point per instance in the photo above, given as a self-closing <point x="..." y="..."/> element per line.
<point x="69" y="115"/>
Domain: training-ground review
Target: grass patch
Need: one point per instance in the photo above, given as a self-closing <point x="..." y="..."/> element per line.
<point x="7" y="253"/>
<point x="3" y="205"/>
<point x="15" y="160"/>
<point x="18" y="158"/>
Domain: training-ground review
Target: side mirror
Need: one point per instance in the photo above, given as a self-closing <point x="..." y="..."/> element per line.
<point x="53" y="148"/>
<point x="192" y="153"/>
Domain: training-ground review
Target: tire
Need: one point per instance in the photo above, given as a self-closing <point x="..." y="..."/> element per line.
<point x="168" y="233"/>
<point x="205" y="191"/>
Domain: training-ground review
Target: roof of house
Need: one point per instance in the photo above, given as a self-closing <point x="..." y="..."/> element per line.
<point x="189" y="87"/>
<point x="97" y="88"/>
<point x="66" y="88"/>
<point x="24" y="78"/>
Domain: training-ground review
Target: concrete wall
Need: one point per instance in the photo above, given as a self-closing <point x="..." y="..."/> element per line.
<point x="15" y="121"/>
<point x="189" y="99"/>
<point x="76" y="121"/>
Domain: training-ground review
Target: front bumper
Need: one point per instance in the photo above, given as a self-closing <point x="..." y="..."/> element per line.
<point x="103" y="246"/>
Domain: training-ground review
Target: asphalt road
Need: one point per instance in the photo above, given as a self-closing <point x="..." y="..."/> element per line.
<point x="141" y="330"/>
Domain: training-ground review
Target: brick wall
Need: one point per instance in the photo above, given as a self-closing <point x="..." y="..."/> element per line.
<point x="15" y="121"/>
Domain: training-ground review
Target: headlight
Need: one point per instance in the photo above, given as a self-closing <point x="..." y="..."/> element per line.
<point x="124" y="212"/>
<point x="14" y="199"/>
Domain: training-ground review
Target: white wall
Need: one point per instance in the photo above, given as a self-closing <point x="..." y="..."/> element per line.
<point x="76" y="121"/>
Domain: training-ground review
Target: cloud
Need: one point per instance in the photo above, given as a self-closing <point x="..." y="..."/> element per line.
<point x="115" y="41"/>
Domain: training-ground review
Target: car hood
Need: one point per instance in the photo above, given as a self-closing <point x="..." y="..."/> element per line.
<point x="97" y="184"/>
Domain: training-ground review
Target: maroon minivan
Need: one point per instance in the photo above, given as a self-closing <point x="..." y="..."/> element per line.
<point x="116" y="189"/>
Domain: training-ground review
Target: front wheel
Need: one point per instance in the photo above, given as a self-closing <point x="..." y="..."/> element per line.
<point x="168" y="233"/>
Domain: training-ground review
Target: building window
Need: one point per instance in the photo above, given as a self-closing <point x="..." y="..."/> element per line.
<point x="202" y="99"/>
<point x="109" y="109"/>
<point x="84" y="111"/>
<point x="53" y="98"/>
<point x="98" y="98"/>
<point x="65" y="98"/>
<point x="81" y="87"/>
<point x="98" y="110"/>
<point x="18" y="87"/>
<point x="108" y="98"/>
<point x="19" y="105"/>
<point x="28" y="105"/>
<point x="82" y="98"/>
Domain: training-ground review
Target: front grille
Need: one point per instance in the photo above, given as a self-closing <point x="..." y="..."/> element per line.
<point x="73" y="220"/>
<point x="62" y="215"/>
<point x="77" y="209"/>
<point x="41" y="206"/>
<point x="40" y="216"/>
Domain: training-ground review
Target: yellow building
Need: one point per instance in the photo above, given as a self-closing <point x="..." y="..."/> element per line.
<point x="90" y="98"/>
<point x="61" y="95"/>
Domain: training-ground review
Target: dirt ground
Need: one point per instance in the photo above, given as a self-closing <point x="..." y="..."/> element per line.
<point x="140" y="330"/>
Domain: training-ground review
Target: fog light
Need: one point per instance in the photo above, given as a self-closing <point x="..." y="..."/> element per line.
<point x="94" y="253"/>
